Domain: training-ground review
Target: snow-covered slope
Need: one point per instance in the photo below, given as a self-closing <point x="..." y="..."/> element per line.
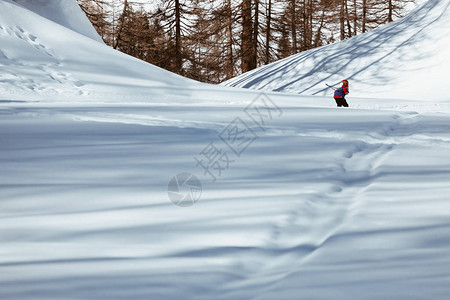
<point x="64" y="12"/>
<point x="41" y="60"/>
<point x="407" y="59"/>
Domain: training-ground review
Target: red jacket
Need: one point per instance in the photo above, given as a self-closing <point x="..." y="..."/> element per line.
<point x="341" y="92"/>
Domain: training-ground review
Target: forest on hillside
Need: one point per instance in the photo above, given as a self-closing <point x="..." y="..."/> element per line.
<point x="214" y="40"/>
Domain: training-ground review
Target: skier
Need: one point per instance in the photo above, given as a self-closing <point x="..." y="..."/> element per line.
<point x="339" y="94"/>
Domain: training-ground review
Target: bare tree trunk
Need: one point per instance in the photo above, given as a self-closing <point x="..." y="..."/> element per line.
<point x="390" y="9"/>
<point x="310" y="30"/>
<point x="246" y="37"/>
<point x="364" y="15"/>
<point x="178" y="56"/>
<point x="255" y="35"/>
<point x="319" y="30"/>
<point x="293" y="27"/>
<point x="342" y="20"/>
<point x="355" y="18"/>
<point x="305" y="25"/>
<point x="347" y="16"/>
<point x="121" y="21"/>
<point x="268" y="32"/>
<point x="230" y="63"/>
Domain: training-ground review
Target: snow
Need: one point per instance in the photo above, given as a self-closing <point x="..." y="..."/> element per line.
<point x="323" y="203"/>
<point x="406" y="59"/>
<point x="65" y="13"/>
<point x="52" y="62"/>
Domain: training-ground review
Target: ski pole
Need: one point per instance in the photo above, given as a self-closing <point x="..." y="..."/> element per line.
<point x="331" y="87"/>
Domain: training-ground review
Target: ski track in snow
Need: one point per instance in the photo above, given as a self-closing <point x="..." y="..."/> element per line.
<point x="304" y="226"/>
<point x="318" y="200"/>
<point x="357" y="170"/>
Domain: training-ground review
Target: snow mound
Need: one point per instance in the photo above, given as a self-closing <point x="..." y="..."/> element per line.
<point x="64" y="12"/>
<point x="406" y="59"/>
<point x="41" y="60"/>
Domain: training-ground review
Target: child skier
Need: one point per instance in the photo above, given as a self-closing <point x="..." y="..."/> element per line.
<point x="339" y="94"/>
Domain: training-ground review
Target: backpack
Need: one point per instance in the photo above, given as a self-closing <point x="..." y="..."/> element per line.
<point x="339" y="93"/>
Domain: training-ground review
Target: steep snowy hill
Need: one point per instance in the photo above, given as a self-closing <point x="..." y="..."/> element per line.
<point x="64" y="12"/>
<point x="407" y="59"/>
<point x="41" y="60"/>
